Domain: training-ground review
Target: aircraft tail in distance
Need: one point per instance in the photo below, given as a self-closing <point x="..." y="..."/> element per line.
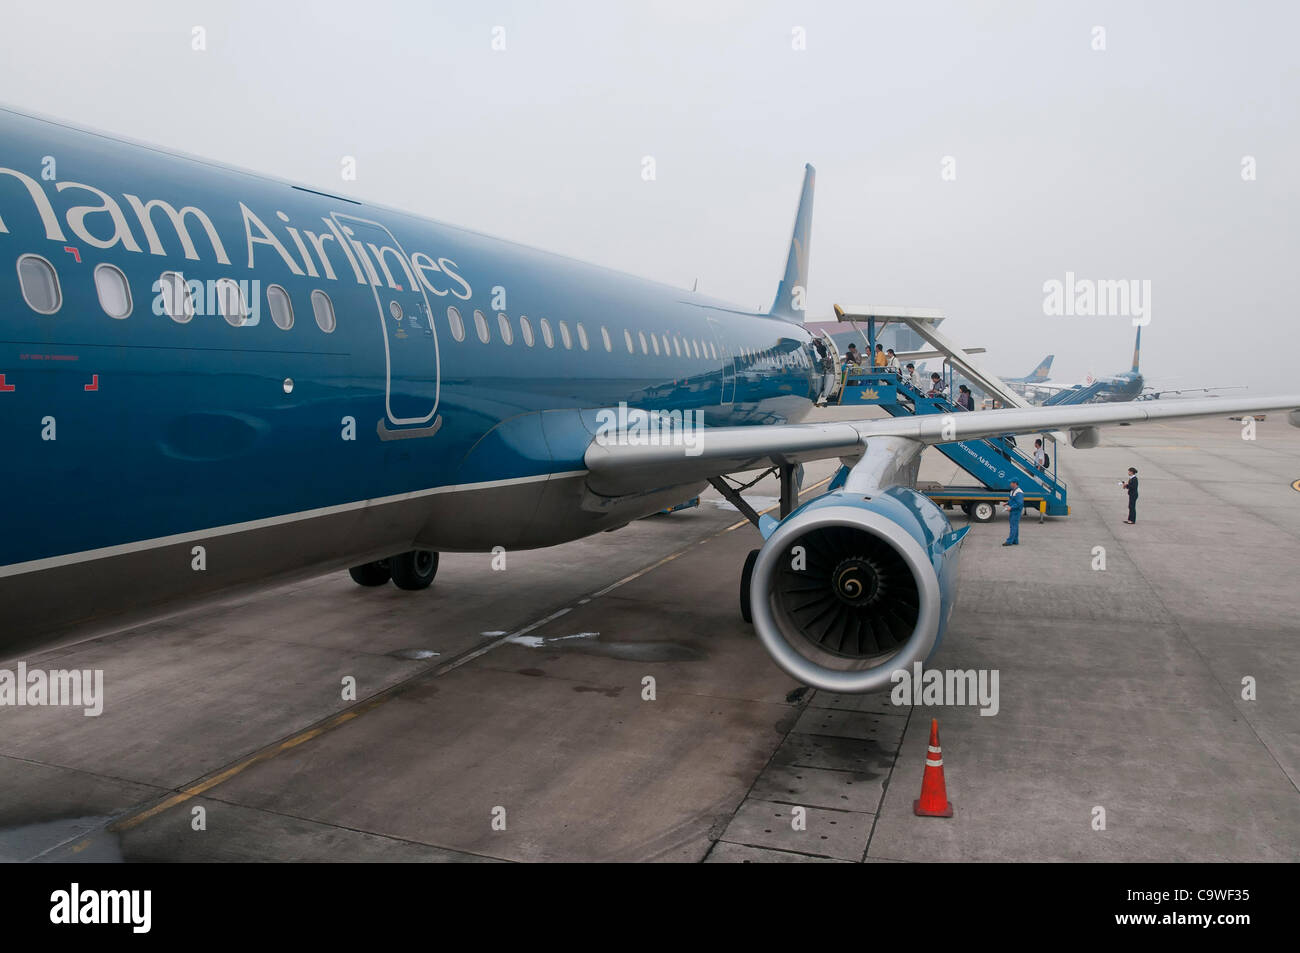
<point x="1137" y="349"/>
<point x="792" y="293"/>
<point x="1040" y="372"/>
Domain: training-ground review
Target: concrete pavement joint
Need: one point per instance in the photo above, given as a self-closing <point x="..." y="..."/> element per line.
<point x="206" y="783"/>
<point x="1229" y="691"/>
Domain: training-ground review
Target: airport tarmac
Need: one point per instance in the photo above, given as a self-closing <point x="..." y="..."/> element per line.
<point x="533" y="733"/>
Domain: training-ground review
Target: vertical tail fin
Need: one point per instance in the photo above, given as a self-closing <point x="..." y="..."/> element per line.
<point x="1137" y="349"/>
<point x="791" y="294"/>
<point x="1044" y="368"/>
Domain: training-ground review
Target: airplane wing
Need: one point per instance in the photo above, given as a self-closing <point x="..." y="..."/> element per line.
<point x="906" y="356"/>
<point x="1045" y="388"/>
<point x="1155" y="393"/>
<point x="620" y="465"/>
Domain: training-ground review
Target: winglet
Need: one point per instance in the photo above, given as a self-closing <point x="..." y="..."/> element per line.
<point x="792" y="293"/>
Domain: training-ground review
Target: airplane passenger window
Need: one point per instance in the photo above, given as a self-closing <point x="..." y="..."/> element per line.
<point x="677" y="345"/>
<point x="457" y="325"/>
<point x="480" y="323"/>
<point x="40" y="284"/>
<point x="697" y="348"/>
<point x="230" y="302"/>
<point x="582" y="336"/>
<point x="547" y="337"/>
<point x="323" y="308"/>
<point x="604" y="336"/>
<point x="627" y="336"/>
<point x="645" y="348"/>
<point x="654" y="344"/>
<point x="114" y="292"/>
<point x="526" y="330"/>
<point x="667" y="349"/>
<point x="507" y="333"/>
<point x="176" y="297"/>
<point x="564" y="336"/>
<point x="281" y="307"/>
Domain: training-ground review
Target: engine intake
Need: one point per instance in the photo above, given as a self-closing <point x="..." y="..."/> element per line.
<point x="856" y="598"/>
<point x="848" y="589"/>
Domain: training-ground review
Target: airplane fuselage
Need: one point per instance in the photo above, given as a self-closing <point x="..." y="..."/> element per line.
<point x="430" y="387"/>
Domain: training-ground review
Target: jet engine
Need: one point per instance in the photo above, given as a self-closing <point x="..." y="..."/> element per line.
<point x="849" y="588"/>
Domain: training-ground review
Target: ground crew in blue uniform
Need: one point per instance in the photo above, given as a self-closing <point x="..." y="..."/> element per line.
<point x="1015" y="505"/>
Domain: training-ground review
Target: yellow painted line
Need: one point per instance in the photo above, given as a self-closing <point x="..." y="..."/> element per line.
<point x="264" y="755"/>
<point x="360" y="708"/>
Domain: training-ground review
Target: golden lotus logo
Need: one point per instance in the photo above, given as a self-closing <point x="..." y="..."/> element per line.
<point x="870" y="393"/>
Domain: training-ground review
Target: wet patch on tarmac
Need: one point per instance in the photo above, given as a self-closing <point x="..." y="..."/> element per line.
<point x="48" y="840"/>
<point x="415" y="655"/>
<point x="640" y="651"/>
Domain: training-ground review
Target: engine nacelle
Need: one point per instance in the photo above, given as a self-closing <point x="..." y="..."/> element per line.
<point x="1085" y="438"/>
<point x="849" y="588"/>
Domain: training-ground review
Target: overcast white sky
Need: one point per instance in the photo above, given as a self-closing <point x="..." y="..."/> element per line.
<point x="1122" y="163"/>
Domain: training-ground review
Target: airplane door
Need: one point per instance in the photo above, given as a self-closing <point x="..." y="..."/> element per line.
<point x="405" y="329"/>
<point x="728" y="365"/>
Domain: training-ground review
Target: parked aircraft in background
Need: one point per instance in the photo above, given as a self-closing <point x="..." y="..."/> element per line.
<point x="1038" y="375"/>
<point x="1124" y="386"/>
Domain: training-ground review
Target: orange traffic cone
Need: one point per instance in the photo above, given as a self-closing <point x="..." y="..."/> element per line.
<point x="934" y="794"/>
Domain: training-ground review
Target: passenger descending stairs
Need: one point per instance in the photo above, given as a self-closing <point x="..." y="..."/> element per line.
<point x="994" y="462"/>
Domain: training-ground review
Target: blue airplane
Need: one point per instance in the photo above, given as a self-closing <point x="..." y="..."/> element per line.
<point x="1037" y="376"/>
<point x="1124" y="386"/>
<point x="213" y="379"/>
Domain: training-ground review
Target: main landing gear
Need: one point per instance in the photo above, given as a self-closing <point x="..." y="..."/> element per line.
<point x="791" y="477"/>
<point x="413" y="571"/>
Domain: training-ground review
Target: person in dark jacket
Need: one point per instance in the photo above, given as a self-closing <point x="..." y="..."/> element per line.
<point x="1131" y="484"/>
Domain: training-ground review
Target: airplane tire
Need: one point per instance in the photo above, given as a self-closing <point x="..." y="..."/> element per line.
<point x="983" y="512"/>
<point x="746" y="575"/>
<point x="414" y="570"/>
<point x="371" y="574"/>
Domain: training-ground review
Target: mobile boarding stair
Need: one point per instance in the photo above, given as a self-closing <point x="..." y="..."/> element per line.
<point x="993" y="462"/>
<point x="1078" y="394"/>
